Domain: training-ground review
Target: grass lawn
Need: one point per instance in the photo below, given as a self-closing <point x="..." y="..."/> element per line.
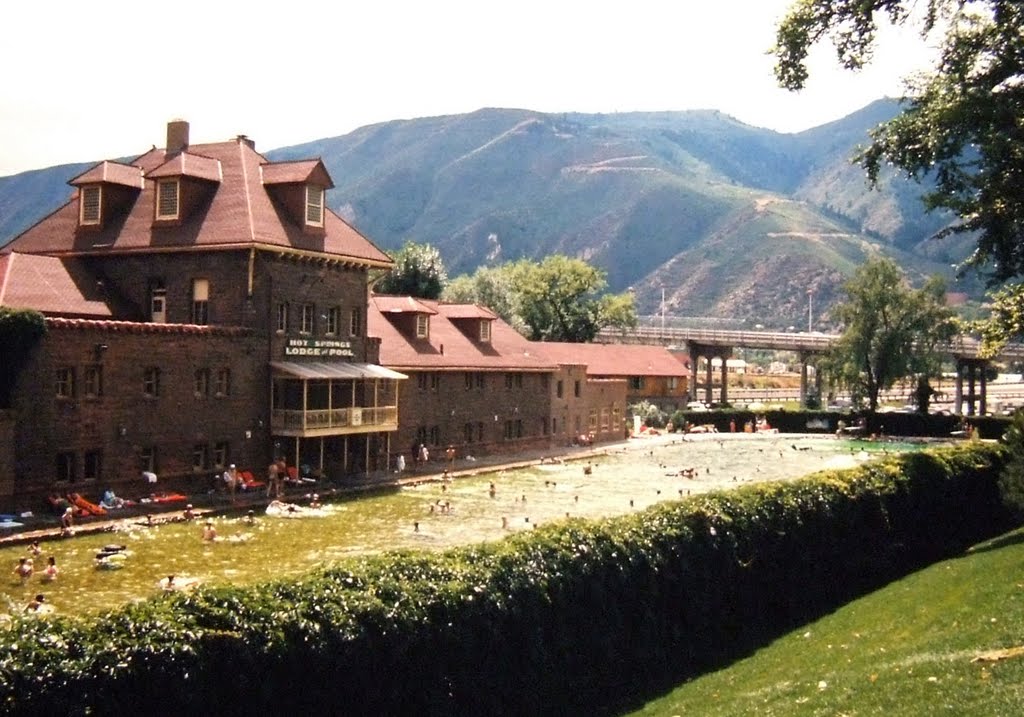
<point x="939" y="642"/>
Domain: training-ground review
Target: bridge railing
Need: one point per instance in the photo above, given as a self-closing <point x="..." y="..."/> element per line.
<point x="961" y="346"/>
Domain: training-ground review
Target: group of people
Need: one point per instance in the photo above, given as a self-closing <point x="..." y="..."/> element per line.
<point x="25" y="570"/>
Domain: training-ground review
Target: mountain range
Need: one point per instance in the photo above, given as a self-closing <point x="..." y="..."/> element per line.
<point x="721" y="218"/>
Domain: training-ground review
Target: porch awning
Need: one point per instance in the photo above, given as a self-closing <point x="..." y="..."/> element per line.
<point x="334" y="369"/>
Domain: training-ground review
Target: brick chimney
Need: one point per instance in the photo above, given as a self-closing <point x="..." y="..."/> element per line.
<point x="177" y="136"/>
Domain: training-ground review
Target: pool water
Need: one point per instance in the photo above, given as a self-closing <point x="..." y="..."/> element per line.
<point x="429" y="515"/>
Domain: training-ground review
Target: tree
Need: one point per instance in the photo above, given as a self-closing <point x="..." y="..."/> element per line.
<point x="960" y="128"/>
<point x="492" y="287"/>
<point x="418" y="271"/>
<point x="1011" y="479"/>
<point x="560" y="299"/>
<point x="20" y="331"/>
<point x="891" y="331"/>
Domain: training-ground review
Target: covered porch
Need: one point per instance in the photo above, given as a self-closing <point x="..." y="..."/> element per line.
<point x="333" y="419"/>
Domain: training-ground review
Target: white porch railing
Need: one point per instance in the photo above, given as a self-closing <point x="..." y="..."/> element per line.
<point x="316" y="420"/>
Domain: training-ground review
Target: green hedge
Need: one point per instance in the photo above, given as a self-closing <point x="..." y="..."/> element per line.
<point x="902" y="425"/>
<point x="576" y="617"/>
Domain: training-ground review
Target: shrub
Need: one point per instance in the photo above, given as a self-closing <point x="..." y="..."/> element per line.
<point x="571" y="618"/>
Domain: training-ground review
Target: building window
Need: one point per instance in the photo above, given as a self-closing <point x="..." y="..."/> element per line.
<point x="223" y="387"/>
<point x="306" y="319"/>
<point x="200" y="301"/>
<point x="559" y="388"/>
<point x="158" y="305"/>
<point x="469" y="380"/>
<point x="90" y="201"/>
<point x="576" y="388"/>
<point x="314" y="205"/>
<point x="65" y="382"/>
<point x="282" y="316"/>
<point x="480" y="381"/>
<point x="435" y="382"/>
<point x="636" y="383"/>
<point x="467" y="433"/>
<point x="421" y="436"/>
<point x="65" y="467"/>
<point x="513" y="429"/>
<point x="422" y="326"/>
<point x="167" y="199"/>
<point x="200" y="457"/>
<point x="151" y="382"/>
<point x="673" y="383"/>
<point x="545" y="382"/>
<point x="435" y="435"/>
<point x="604" y="419"/>
<point x="332" y="320"/>
<point x="93" y="381"/>
<point x="485" y="331"/>
<point x="592" y="420"/>
<point x="202" y="383"/>
<point x="508" y="381"/>
<point x="147" y="459"/>
<point x="355" y="322"/>
<point x="421" y="381"/>
<point x="544" y="426"/>
<point x="221" y="454"/>
<point x="480" y="431"/>
<point x="92" y="468"/>
<point x="519" y="380"/>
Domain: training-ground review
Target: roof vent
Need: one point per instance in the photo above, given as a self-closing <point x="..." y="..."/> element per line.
<point x="177" y="136"/>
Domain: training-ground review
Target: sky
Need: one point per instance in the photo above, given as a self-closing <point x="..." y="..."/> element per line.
<point x="92" y="81"/>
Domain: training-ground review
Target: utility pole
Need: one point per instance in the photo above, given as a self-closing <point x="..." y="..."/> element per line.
<point x="663" y="312"/>
<point x="810" y="310"/>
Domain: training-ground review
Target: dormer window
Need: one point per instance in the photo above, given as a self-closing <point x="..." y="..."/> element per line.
<point x="167" y="191"/>
<point x="422" y="326"/>
<point x="485" y="331"/>
<point x="90" y="199"/>
<point x="314" y="205"/>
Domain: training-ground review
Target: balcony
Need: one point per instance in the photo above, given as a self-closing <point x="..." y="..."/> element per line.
<point x="334" y="421"/>
<point x="333" y="399"/>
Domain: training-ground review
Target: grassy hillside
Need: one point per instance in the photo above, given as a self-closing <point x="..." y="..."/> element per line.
<point x="732" y="220"/>
<point x="948" y="640"/>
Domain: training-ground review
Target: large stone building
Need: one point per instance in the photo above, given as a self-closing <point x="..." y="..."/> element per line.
<point x="203" y="307"/>
<point x="478" y="385"/>
<point x="651" y="373"/>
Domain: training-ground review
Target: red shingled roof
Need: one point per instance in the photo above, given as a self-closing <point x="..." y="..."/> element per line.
<point x="240" y="212"/>
<point x="466" y="311"/>
<point x="111" y="173"/>
<point x="449" y="348"/>
<point x="52" y="286"/>
<point x="187" y="164"/>
<point x="401" y="305"/>
<point x="614" y="360"/>
<point x="300" y="172"/>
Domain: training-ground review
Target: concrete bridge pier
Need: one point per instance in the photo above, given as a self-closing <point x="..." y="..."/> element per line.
<point x="974" y="369"/>
<point x="805" y="364"/>
<point x="698" y="351"/>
